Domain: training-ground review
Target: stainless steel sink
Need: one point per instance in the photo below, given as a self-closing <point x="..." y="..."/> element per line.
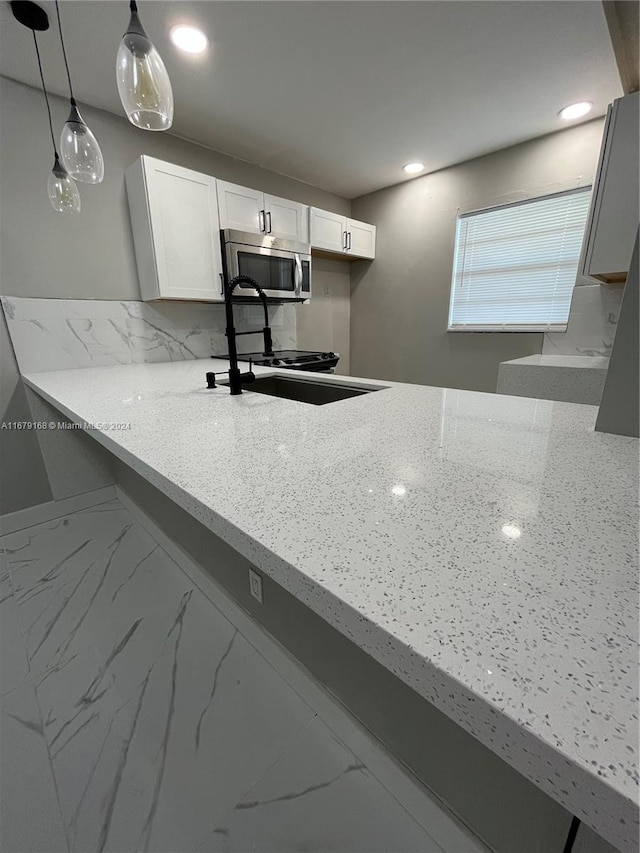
<point x="316" y="392"/>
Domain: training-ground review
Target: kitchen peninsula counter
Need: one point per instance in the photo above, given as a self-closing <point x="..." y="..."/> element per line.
<point x="483" y="548"/>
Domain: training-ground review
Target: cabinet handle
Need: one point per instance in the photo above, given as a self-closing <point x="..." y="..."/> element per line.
<point x="349" y="238"/>
<point x="262" y="221"/>
<point x="344" y="240"/>
<point x="269" y="215"/>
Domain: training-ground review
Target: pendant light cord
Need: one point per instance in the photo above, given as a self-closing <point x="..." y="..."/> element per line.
<point x="46" y="96"/>
<point x="64" y="53"/>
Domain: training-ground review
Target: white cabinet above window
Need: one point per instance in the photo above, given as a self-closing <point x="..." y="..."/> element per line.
<point x="176" y="233"/>
<point x="331" y="232"/>
<point x="250" y="210"/>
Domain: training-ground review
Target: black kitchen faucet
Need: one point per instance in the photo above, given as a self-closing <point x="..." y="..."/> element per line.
<point x="236" y="378"/>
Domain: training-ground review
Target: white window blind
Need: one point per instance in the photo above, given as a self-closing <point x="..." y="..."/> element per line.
<point x="515" y="266"/>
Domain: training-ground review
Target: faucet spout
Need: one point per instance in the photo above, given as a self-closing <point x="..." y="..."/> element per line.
<point x="236" y="378"/>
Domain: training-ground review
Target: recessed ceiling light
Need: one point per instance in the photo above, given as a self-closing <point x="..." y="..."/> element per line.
<point x="576" y="110"/>
<point x="189" y="39"/>
<point x="413" y="168"/>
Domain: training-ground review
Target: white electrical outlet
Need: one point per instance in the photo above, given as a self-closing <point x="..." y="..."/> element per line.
<point x="255" y="585"/>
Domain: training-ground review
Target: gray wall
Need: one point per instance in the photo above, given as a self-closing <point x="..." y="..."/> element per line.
<point x="400" y="302"/>
<point x="36" y="242"/>
<point x="324" y="323"/>
<point x="91" y="256"/>
<point x="23" y="477"/>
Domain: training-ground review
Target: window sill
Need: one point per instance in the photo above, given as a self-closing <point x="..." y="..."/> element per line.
<point x="508" y="329"/>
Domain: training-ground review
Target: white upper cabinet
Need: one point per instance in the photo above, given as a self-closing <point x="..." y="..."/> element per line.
<point x="177" y="215"/>
<point x="613" y="218"/>
<point x="250" y="210"/>
<point x="240" y="207"/>
<point x="361" y="239"/>
<point x="286" y="218"/>
<point x="328" y="231"/>
<point x="176" y="231"/>
<point x="341" y="235"/>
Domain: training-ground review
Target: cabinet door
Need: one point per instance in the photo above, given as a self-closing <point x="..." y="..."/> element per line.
<point x="613" y="217"/>
<point x="327" y="230"/>
<point x="240" y="207"/>
<point x="174" y="216"/>
<point x="361" y="239"/>
<point x="287" y="219"/>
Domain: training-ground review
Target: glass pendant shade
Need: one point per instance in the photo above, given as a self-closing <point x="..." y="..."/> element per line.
<point x="79" y="150"/>
<point x="62" y="191"/>
<point x="143" y="83"/>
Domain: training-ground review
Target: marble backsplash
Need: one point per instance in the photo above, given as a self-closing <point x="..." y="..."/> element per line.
<point x="60" y="334"/>
<point x="592" y="322"/>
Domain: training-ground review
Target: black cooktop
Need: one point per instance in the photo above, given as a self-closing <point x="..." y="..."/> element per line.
<point x="293" y="359"/>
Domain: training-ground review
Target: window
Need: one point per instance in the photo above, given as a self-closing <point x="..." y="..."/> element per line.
<point x="515" y="265"/>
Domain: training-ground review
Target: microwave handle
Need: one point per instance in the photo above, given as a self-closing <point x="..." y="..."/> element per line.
<point x="297" y="275"/>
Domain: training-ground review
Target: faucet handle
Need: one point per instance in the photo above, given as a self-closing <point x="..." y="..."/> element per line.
<point x="249" y="375"/>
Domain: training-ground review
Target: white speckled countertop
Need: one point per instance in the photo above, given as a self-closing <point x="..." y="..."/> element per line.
<point x="588" y="362"/>
<point x="481" y="547"/>
<point x="571" y="378"/>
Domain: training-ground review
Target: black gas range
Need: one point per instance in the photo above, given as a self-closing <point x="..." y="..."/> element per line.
<point x="294" y="359"/>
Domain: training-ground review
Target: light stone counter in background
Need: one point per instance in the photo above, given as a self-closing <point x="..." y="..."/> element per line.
<point x="482" y="548"/>
<point x="573" y="365"/>
<point x="567" y="378"/>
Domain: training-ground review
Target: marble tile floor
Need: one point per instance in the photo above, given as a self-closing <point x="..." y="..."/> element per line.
<point x="136" y="717"/>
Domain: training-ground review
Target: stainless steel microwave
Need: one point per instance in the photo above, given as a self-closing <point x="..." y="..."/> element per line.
<point x="282" y="268"/>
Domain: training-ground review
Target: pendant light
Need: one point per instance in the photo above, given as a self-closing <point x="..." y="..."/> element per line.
<point x="62" y="191"/>
<point x="143" y="83"/>
<point x="79" y="149"/>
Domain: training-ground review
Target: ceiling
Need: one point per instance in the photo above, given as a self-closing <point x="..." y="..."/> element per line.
<point x="342" y="94"/>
